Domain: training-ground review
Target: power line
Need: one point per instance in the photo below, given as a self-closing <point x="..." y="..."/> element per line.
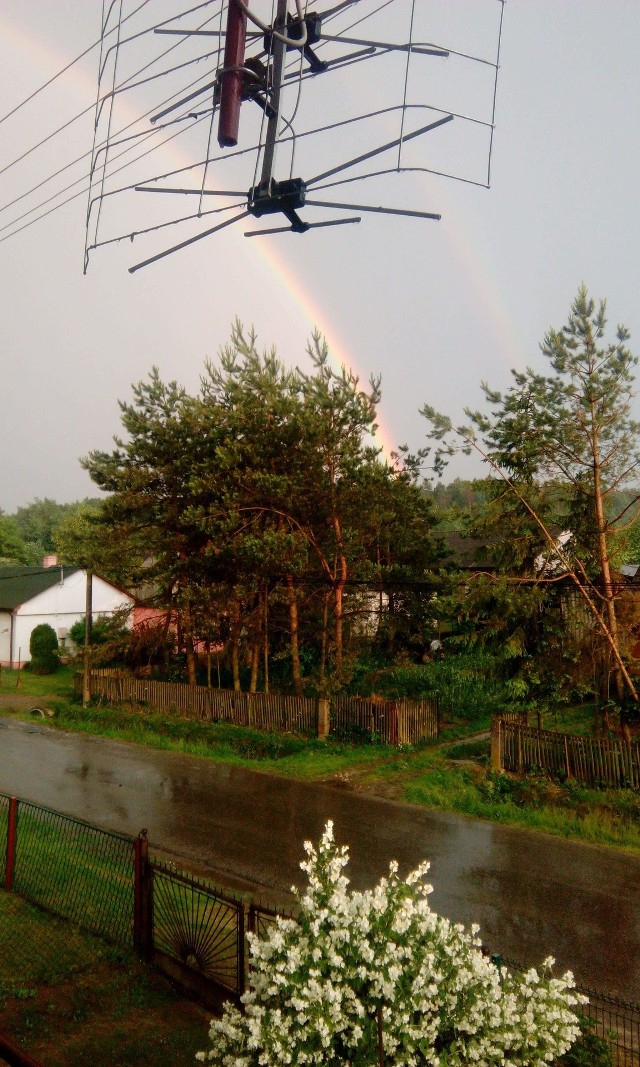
<point x="91" y="107"/>
<point x="64" y="70"/>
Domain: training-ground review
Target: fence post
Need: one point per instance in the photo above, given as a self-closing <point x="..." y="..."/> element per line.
<point x="244" y="923"/>
<point x="567" y="763"/>
<point x="324" y="718"/>
<point x="12" y="827"/>
<point x="496" y="744"/>
<point x="142" y="899"/>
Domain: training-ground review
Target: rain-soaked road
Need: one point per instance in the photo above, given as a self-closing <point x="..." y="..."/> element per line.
<point x="531" y="894"/>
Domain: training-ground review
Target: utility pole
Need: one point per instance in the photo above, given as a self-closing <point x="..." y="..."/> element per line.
<point x="88" y="616"/>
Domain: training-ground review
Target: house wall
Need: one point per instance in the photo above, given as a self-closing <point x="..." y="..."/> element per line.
<point x="5" y="636"/>
<point x="61" y="606"/>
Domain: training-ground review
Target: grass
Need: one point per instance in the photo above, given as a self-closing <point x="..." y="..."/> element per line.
<point x="66" y="997"/>
<point x="75" y="871"/>
<point x="451" y="775"/>
<point x="55" y="686"/>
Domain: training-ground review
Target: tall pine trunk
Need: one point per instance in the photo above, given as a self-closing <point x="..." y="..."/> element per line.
<point x="293" y="631"/>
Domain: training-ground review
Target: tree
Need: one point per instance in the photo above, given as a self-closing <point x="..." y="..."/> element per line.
<point x="147" y="476"/>
<point x="43" y="646"/>
<point x="365" y="978"/>
<point x="572" y="426"/>
<point x="37" y="523"/>
<point x="266" y="515"/>
<point x="13" y="550"/>
<point x="84" y="538"/>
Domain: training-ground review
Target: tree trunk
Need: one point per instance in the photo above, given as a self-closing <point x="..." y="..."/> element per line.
<point x="605" y="570"/>
<point x="266" y="638"/>
<point x="324" y="639"/>
<point x="189" y="646"/>
<point x="235" y="644"/>
<point x="293" y="630"/>
<point x="339" y="615"/>
<point x="255" y="649"/>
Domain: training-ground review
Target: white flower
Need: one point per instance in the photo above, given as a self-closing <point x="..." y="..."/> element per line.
<point x="320" y="986"/>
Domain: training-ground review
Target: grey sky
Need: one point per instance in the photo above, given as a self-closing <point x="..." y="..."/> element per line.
<point x="434" y="307"/>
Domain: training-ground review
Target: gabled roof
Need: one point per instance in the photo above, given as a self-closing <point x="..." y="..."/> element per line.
<point x="20" y="584"/>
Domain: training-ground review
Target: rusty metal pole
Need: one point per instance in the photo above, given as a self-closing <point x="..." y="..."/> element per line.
<point x="140" y="895"/>
<point x="12" y="827"/>
<point x="232" y="78"/>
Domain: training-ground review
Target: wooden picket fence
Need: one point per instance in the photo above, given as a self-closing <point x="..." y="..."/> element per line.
<point x="599" y="762"/>
<point x="262" y="711"/>
<point x="394" y="722"/>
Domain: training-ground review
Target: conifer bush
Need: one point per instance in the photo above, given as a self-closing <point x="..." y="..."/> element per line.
<point x="43" y="646"/>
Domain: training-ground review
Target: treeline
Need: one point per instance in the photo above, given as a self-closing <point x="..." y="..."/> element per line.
<point x="38" y="529"/>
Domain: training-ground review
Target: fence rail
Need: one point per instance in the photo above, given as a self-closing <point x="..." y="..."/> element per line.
<point x="394" y="722"/>
<point x="598" y="762"/>
<point x="191" y="929"/>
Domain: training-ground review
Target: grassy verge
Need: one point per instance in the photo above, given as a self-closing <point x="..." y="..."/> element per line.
<point x="67" y="998"/>
<point x="452" y="775"/>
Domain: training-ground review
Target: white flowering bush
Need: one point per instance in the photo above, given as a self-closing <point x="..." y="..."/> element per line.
<point x="364" y="978"/>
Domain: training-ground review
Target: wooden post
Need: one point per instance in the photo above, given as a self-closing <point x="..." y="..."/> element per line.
<point x="324" y="718"/>
<point x="12" y="826"/>
<point x="496" y="744"/>
<point x="567" y="764"/>
<point x="88" y="624"/>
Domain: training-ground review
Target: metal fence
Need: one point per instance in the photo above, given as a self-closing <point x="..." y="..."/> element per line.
<point x="618" y="1023"/>
<point x="69" y="867"/>
<point x="198" y="927"/>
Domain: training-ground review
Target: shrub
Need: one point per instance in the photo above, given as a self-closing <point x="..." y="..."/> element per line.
<point x="43" y="646"/>
<point x="363" y="977"/>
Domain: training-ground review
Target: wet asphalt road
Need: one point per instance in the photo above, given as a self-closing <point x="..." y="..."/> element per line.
<point x="531" y="894"/>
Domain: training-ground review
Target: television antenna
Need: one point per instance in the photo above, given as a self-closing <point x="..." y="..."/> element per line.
<point x="257" y="62"/>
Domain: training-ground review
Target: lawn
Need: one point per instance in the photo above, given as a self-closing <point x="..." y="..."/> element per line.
<point x="68" y="998"/>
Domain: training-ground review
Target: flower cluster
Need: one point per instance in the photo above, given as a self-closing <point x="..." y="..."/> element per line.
<point x="365" y="974"/>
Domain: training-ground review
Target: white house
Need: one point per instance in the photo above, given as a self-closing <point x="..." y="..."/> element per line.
<point x="55" y="595"/>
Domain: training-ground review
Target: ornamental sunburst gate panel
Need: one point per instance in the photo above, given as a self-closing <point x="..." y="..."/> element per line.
<point x="194" y="925"/>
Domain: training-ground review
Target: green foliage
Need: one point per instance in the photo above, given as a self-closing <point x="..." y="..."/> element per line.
<point x="43" y="646"/>
<point x="467" y="685"/>
<point x="13" y="550"/>
<point x="590" y="1050"/>
<point x="104" y="630"/>
<point x="570" y="429"/>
